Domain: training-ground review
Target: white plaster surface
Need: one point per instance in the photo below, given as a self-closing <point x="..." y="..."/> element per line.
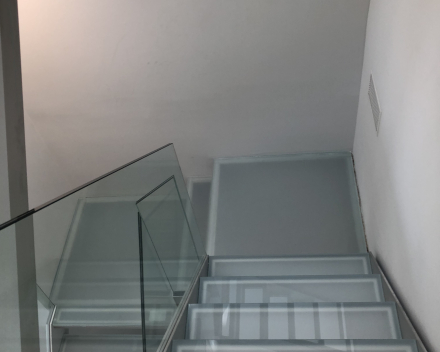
<point x="108" y="81"/>
<point x="398" y="170"/>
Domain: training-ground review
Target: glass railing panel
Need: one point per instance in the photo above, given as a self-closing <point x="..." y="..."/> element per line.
<point x="168" y="238"/>
<point x="87" y="251"/>
<point x="98" y="278"/>
<point x="163" y="214"/>
<point x="158" y="301"/>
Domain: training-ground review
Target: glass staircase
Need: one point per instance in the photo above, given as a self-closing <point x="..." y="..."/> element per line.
<point x="120" y="265"/>
<point x="323" y="307"/>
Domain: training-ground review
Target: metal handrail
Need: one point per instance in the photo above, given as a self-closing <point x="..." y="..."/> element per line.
<point x="45" y="205"/>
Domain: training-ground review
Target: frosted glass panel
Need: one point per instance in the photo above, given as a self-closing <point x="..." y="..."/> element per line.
<point x="285" y="205"/>
<point x="294" y="346"/>
<point x="304" y="321"/>
<point x="288" y="266"/>
<point x="365" y="288"/>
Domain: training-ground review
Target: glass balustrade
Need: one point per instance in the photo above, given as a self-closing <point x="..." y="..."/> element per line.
<point x="113" y="257"/>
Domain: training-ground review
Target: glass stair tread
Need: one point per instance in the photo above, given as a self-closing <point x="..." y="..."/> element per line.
<point x="106" y="343"/>
<point x="294" y="345"/>
<point x="285" y="205"/>
<point x="288" y="266"/>
<point x="106" y="293"/>
<point x="359" y="288"/>
<point x="293" y="321"/>
<point x="93" y="270"/>
<point x="156" y="315"/>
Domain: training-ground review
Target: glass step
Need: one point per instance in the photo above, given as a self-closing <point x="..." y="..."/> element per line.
<point x="361" y="288"/>
<point x="285" y="205"/>
<point x="289" y="266"/>
<point x="156" y="316"/>
<point x="294" y="346"/>
<point x="112" y="293"/>
<point x="74" y="271"/>
<point x="106" y="343"/>
<point x="293" y="321"/>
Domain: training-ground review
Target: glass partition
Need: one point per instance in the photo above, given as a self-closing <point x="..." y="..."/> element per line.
<point x="114" y="256"/>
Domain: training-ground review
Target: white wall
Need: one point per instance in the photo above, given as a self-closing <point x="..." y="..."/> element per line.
<point x="48" y="178"/>
<point x="48" y="175"/>
<point x="108" y="81"/>
<point x="399" y="170"/>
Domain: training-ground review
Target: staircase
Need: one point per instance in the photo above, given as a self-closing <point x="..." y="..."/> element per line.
<point x="307" y="303"/>
<point x="124" y="285"/>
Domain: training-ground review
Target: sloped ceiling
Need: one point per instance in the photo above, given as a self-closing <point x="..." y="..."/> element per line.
<point x="106" y="81"/>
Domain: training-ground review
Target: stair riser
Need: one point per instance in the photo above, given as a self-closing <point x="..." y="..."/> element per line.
<point x="289" y="266"/>
<point x="112" y="317"/>
<point x="293" y="321"/>
<point x="107" y="343"/>
<point x="366" y="288"/>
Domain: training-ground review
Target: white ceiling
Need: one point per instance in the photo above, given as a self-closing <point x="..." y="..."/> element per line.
<point x="106" y="81"/>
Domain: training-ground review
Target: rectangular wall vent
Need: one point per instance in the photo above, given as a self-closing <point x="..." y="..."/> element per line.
<point x="374" y="102"/>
